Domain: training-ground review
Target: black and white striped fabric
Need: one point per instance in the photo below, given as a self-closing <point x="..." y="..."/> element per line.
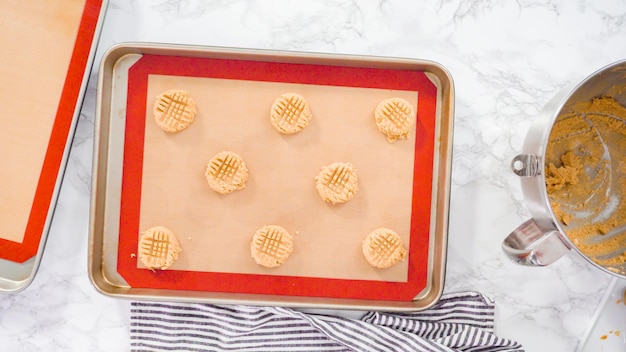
<point x="458" y="322"/>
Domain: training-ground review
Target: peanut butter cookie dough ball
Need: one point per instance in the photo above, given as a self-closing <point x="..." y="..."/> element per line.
<point x="395" y="118"/>
<point x="158" y="248"/>
<point x="383" y="248"/>
<point x="337" y="183"/>
<point x="174" y="110"/>
<point x="226" y="172"/>
<point x="290" y="113"/>
<point x="271" y="246"/>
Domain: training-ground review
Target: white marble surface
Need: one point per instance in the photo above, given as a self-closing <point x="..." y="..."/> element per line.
<point x="507" y="58"/>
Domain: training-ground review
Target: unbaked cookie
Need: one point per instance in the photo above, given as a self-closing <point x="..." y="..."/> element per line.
<point x="337" y="182"/>
<point x="290" y="113"/>
<point x="395" y="118"/>
<point x="271" y="246"/>
<point x="174" y="110"/>
<point x="158" y="248"/>
<point x="383" y="248"/>
<point x="226" y="172"/>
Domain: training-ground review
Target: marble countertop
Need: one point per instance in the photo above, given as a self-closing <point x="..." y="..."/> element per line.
<point x="507" y="59"/>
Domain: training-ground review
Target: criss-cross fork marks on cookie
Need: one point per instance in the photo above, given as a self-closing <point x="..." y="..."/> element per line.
<point x="270" y="243"/>
<point x="395" y="118"/>
<point x="158" y="248"/>
<point x="226" y="172"/>
<point x="271" y="246"/>
<point x="397" y="114"/>
<point x="338" y="180"/>
<point x="383" y="248"/>
<point x="174" y="110"/>
<point x="225" y="169"/>
<point x="337" y="183"/>
<point x="290" y="113"/>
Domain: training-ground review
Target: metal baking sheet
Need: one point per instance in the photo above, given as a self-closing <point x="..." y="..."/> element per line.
<point x="144" y="177"/>
<point x="40" y="106"/>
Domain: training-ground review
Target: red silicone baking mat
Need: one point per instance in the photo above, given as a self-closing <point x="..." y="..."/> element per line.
<point x="245" y="73"/>
<point x="45" y="53"/>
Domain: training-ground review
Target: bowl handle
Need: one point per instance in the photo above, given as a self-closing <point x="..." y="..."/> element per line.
<point x="525" y="165"/>
<point x="530" y="245"/>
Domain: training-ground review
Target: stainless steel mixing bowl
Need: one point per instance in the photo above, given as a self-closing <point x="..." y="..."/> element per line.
<point x="542" y="239"/>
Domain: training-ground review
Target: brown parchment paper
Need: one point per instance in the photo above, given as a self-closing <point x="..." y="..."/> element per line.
<point x="37" y="40"/>
<point x="215" y="230"/>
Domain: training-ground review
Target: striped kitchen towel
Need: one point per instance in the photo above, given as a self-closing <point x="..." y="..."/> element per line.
<point x="458" y="322"/>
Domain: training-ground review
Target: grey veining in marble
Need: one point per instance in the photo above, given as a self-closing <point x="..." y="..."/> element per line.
<point x="507" y="58"/>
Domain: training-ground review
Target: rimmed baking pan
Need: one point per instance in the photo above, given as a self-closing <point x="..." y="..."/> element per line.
<point x="46" y="56"/>
<point x="145" y="177"/>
